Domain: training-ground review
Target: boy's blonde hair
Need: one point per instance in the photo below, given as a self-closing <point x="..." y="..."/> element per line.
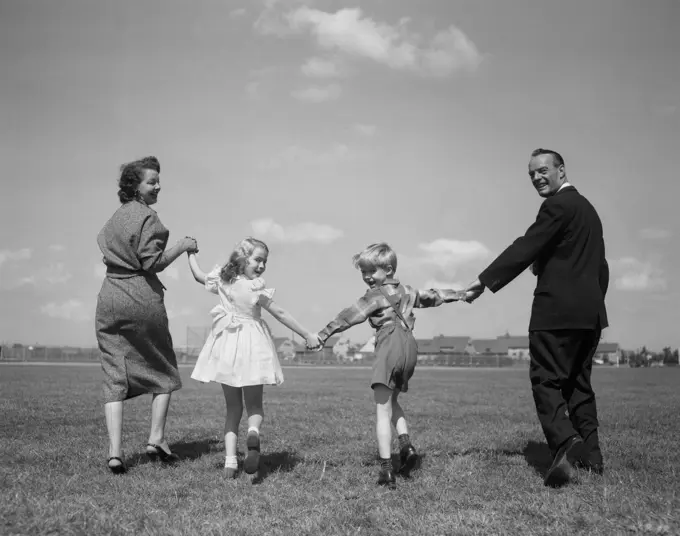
<point x="379" y="255"/>
<point x="238" y="258"/>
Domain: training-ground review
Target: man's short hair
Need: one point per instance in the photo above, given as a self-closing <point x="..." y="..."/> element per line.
<point x="557" y="157"/>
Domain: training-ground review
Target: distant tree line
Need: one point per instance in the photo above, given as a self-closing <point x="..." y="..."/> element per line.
<point x="646" y="358"/>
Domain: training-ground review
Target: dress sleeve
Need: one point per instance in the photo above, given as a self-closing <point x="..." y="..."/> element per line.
<point x="213" y="279"/>
<point x="264" y="295"/>
<point x="153" y="238"/>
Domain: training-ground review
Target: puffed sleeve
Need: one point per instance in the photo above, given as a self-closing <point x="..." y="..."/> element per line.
<point x="213" y="279"/>
<point x="264" y="295"/>
<point x="153" y="238"/>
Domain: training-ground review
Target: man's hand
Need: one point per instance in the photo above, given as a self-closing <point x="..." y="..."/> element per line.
<point x="473" y="291"/>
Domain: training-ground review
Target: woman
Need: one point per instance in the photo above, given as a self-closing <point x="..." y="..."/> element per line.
<point x="132" y="325"/>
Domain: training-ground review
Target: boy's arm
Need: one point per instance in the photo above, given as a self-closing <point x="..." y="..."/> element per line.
<point x="434" y="297"/>
<point x="199" y="275"/>
<point x="351" y="316"/>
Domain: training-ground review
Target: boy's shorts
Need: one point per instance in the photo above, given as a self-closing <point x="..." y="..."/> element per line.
<point x="396" y="354"/>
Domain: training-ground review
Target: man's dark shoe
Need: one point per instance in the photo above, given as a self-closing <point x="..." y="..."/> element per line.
<point x="562" y="466"/>
<point x="409" y="459"/>
<point x="591" y="462"/>
<point x="386" y="478"/>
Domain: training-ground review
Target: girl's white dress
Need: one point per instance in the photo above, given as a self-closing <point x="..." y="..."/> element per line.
<point x="239" y="350"/>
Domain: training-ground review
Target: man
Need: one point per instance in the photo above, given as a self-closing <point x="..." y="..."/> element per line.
<point x="565" y="249"/>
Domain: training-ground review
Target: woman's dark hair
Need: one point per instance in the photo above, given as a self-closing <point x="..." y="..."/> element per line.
<point x="132" y="173"/>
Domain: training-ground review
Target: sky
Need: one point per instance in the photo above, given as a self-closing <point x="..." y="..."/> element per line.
<point x="323" y="126"/>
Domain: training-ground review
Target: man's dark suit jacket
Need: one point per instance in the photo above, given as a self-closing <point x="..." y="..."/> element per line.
<point x="566" y="245"/>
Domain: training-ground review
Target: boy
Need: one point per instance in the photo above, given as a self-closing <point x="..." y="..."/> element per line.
<point x="388" y="306"/>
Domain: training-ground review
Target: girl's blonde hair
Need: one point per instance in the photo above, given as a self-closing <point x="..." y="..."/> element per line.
<point x="238" y="258"/>
<point x="379" y="255"/>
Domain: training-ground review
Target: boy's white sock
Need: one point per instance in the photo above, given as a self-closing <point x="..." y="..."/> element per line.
<point x="231" y="462"/>
<point x="254" y="429"/>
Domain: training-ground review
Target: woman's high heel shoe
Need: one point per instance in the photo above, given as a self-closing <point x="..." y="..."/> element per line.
<point x="116" y="469"/>
<point x="159" y="454"/>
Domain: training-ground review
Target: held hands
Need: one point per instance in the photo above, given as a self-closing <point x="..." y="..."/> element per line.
<point x="313" y="342"/>
<point x="189" y="244"/>
<point x="451" y="295"/>
<point x="473" y="291"/>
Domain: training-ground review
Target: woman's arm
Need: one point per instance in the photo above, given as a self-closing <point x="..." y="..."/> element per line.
<point x="199" y="275"/>
<point x="287" y="320"/>
<point x="171" y="254"/>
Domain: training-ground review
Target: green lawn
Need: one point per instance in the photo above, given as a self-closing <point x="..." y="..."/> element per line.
<point x="483" y="455"/>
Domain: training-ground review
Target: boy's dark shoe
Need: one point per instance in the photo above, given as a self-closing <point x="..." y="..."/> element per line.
<point x="571" y="451"/>
<point x="409" y="459"/>
<point x="386" y="478"/>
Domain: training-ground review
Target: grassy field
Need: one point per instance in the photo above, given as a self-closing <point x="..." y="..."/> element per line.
<point x="483" y="457"/>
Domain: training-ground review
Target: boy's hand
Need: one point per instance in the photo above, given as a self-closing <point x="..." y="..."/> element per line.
<point x="454" y="295"/>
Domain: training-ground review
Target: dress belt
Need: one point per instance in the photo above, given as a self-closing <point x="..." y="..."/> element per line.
<point x="122" y="273"/>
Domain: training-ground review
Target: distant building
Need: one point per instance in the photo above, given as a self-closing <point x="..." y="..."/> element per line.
<point x="608" y="352"/>
<point x="490" y="346"/>
<point x="518" y="345"/>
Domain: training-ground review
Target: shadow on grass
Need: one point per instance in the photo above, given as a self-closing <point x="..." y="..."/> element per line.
<point x="274" y="462"/>
<point x="185" y="450"/>
<point x="538" y="456"/>
<point x="190" y="450"/>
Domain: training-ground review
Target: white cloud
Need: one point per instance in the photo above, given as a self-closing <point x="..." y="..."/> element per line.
<point x="302" y="157"/>
<point x="272" y="19"/>
<point x="365" y="130"/>
<point x="261" y="80"/>
<point x="449" y="254"/>
<point x="237" y="13"/>
<point x="54" y="274"/>
<point x="349" y="32"/>
<point x="435" y="283"/>
<point x="321" y="68"/>
<point x="69" y="310"/>
<point x="317" y="94"/>
<point x="18" y="255"/>
<point x="654" y="234"/>
<point x="632" y="274"/>
<point x="268" y="229"/>
<point x="57" y="248"/>
<point x="440" y="260"/>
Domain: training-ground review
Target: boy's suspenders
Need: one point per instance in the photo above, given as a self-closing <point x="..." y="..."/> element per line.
<point x="396" y="310"/>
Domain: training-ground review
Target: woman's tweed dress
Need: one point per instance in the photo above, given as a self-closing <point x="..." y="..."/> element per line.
<point x="132" y="325"/>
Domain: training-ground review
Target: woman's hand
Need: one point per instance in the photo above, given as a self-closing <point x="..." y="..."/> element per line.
<point x="189" y="244"/>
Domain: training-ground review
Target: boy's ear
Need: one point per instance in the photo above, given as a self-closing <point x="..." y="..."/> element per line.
<point x="389" y="270"/>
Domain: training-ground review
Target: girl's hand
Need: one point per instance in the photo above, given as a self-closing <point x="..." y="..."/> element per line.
<point x="313" y="342"/>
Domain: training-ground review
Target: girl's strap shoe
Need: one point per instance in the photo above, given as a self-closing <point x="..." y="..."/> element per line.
<point x="117" y="469"/>
<point x="159" y="454"/>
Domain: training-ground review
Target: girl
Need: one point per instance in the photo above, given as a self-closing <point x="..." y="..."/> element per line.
<point x="239" y="352"/>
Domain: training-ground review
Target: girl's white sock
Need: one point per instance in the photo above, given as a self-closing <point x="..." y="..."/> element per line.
<point x="231" y="462"/>
<point x="254" y="429"/>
